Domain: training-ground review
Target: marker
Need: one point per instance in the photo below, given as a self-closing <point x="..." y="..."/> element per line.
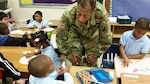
<point x="135" y="70"/>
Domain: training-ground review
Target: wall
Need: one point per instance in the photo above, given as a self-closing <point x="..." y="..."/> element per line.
<point x="21" y="14"/>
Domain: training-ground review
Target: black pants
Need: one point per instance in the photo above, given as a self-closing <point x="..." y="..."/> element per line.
<point x="9" y="68"/>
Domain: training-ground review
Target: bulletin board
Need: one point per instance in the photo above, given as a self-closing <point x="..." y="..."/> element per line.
<point x="28" y="3"/>
<point x="133" y="8"/>
<point x="34" y="3"/>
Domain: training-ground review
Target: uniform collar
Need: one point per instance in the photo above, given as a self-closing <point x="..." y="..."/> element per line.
<point x="132" y="36"/>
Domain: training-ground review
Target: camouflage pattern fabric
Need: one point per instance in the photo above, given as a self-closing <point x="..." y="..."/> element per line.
<point x="95" y="36"/>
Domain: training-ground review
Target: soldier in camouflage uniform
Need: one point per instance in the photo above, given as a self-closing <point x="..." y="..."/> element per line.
<point x="84" y="29"/>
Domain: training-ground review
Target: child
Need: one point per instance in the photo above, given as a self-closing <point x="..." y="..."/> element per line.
<point x="134" y="44"/>
<point x="11" y="70"/>
<point x="43" y="46"/>
<point x="4" y="19"/>
<point x="43" y="72"/>
<point x="38" y="23"/>
<point x="6" y="40"/>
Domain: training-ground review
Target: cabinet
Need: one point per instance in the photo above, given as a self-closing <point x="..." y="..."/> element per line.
<point x="118" y="29"/>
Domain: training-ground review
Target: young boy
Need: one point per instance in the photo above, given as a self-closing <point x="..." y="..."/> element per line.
<point x="11" y="70"/>
<point x="4" y="19"/>
<point x="134" y="44"/>
<point x="43" y="72"/>
<point x="38" y="22"/>
<point x="6" y="40"/>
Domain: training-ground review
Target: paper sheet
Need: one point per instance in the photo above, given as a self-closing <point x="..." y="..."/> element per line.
<point x="17" y="32"/>
<point x="138" y="66"/>
<point x="53" y="41"/>
<point x="25" y="60"/>
<point x="48" y="29"/>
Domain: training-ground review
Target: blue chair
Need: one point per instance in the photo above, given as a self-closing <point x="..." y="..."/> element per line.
<point x="108" y="56"/>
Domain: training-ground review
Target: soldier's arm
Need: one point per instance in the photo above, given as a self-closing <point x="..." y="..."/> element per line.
<point x="62" y="35"/>
<point x="105" y="34"/>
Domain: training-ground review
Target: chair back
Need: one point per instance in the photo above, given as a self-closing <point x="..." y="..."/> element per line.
<point x="108" y="56"/>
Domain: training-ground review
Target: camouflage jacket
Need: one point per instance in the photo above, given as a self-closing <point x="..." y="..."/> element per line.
<point x="95" y="36"/>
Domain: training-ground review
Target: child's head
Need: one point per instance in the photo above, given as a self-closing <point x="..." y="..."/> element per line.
<point x="39" y="38"/>
<point x="40" y="66"/>
<point x="38" y="16"/>
<point x="4" y="29"/>
<point x="141" y="27"/>
<point x="3" y="18"/>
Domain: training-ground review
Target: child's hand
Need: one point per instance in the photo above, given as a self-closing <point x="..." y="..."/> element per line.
<point x="126" y="63"/>
<point x="28" y="55"/>
<point x="59" y="69"/>
<point x="66" y="69"/>
<point x="37" y="51"/>
<point x="35" y="27"/>
<point x="43" y="27"/>
<point x="13" y="25"/>
<point x="20" y="81"/>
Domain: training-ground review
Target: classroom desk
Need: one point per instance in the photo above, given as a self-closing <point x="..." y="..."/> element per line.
<point x="14" y="53"/>
<point x="136" y="66"/>
<point x="53" y="23"/>
<point x="28" y="30"/>
<point x="23" y="30"/>
<point x="74" y="69"/>
<point x="127" y="78"/>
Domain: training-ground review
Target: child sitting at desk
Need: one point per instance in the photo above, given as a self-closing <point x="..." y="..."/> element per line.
<point x="38" y="23"/>
<point x="43" y="46"/>
<point x="134" y="44"/>
<point x="6" y="40"/>
<point x="4" y="19"/>
<point x="11" y="70"/>
<point x="43" y="72"/>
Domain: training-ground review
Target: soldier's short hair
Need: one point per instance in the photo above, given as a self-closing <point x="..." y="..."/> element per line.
<point x="84" y="3"/>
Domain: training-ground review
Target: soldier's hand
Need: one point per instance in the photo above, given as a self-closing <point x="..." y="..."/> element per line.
<point x="91" y="58"/>
<point x="75" y="59"/>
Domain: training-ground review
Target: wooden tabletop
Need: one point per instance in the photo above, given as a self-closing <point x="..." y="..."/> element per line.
<point x="127" y="78"/>
<point x="53" y="23"/>
<point x="13" y="54"/>
<point x="23" y="29"/>
<point x="74" y="69"/>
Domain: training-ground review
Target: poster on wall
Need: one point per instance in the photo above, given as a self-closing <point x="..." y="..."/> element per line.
<point x="133" y="8"/>
<point x="29" y="3"/>
<point x="26" y="2"/>
<point x="55" y="1"/>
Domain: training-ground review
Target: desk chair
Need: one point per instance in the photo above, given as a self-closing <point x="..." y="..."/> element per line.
<point x="28" y="21"/>
<point x="108" y="56"/>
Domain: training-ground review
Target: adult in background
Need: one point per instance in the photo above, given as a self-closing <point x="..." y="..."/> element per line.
<point x="84" y="30"/>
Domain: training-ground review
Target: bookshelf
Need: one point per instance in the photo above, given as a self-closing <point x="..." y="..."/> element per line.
<point x="119" y="29"/>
